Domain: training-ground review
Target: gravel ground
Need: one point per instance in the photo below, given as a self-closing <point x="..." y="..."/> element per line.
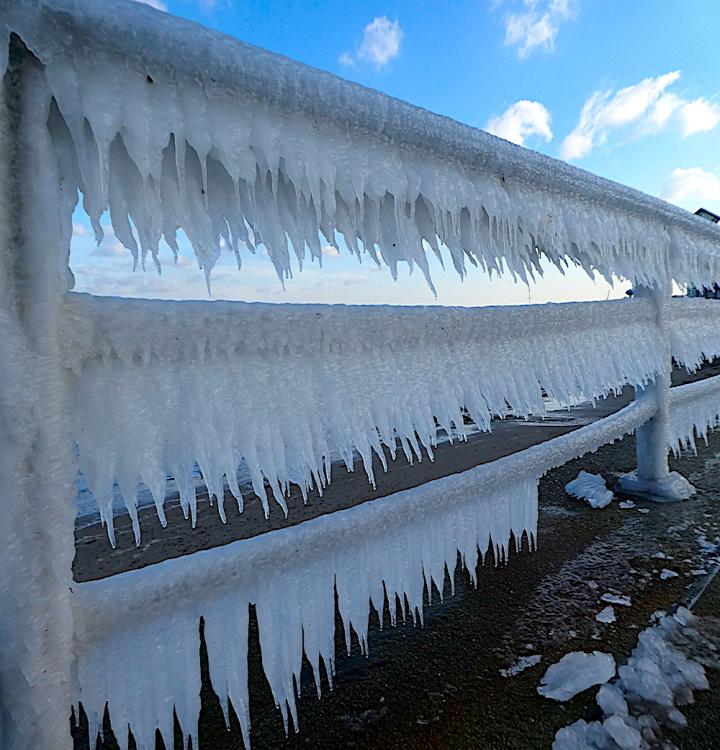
<point x="440" y="686"/>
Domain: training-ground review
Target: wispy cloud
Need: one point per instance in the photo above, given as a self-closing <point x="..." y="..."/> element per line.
<point x="643" y="108"/>
<point x="536" y="27"/>
<point x="692" y="188"/>
<point x="520" y="121"/>
<point x="381" y="43"/>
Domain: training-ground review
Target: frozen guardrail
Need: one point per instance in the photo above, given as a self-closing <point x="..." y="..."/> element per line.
<point x="694" y="411"/>
<point x="170" y="126"/>
<point x="391" y="547"/>
<point x="286" y="386"/>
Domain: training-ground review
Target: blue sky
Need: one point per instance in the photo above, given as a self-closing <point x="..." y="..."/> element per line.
<point x="628" y="90"/>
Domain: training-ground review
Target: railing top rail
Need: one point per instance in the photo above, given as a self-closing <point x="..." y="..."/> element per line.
<point x="221" y="63"/>
<point x="341" y="159"/>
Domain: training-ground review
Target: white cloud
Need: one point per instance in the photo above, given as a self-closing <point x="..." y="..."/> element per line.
<point x="78" y="230"/>
<point x="330" y="252"/>
<point x="645" y="107"/>
<point x="346" y="59"/>
<point x="692" y="188"/>
<point x="157" y="4"/>
<point x="381" y="42"/>
<point x="520" y="121"/>
<point x="536" y="27"/>
<point x="698" y="116"/>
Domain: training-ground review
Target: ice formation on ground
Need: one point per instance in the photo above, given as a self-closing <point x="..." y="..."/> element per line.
<point x="606" y="615"/>
<point x="575" y="672"/>
<point x="665" y="668"/>
<point x="627" y="504"/>
<point x="591" y="488"/>
<point x="293" y="384"/>
<point x="622" y="600"/>
<point x="666" y="574"/>
<point x="523" y="663"/>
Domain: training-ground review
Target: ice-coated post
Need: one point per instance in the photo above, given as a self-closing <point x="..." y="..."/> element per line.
<point x="37" y="461"/>
<point x="653" y="479"/>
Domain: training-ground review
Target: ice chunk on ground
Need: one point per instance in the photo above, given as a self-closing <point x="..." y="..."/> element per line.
<point x="523" y="663"/>
<point x="575" y="672"/>
<point x="666" y="573"/>
<point x="590" y="487"/>
<point x="626" y="504"/>
<point x="622" y="600"/>
<point x="627" y="737"/>
<point x="656" y="679"/>
<point x="611" y="700"/>
<point x="581" y="736"/>
<point x="606" y="615"/>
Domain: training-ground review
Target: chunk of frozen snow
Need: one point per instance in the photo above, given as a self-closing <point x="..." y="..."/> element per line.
<point x="666" y="573"/>
<point x="523" y="663"/>
<point x="606" y="615"/>
<point x="590" y="487"/>
<point x="581" y="736"/>
<point x="627" y="737"/>
<point x="623" y="601"/>
<point x="575" y="672"/>
<point x="626" y="504"/>
<point x="611" y="700"/>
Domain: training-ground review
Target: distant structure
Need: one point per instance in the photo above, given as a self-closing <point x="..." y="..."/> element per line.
<point x="706" y="292"/>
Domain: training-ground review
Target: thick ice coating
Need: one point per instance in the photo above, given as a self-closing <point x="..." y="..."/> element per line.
<point x="171" y="126"/>
<point x="292" y="385"/>
<point x="392" y="547"/>
<point x="694" y="410"/>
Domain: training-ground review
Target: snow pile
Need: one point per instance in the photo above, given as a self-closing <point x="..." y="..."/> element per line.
<point x="694" y="409"/>
<point x="178" y="127"/>
<point x="575" y="672"/>
<point x="659" y="677"/>
<point x="390" y="548"/>
<point x="161" y="386"/>
<point x="590" y="487"/>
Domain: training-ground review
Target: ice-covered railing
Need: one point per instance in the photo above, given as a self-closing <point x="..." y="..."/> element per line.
<point x="694" y="330"/>
<point x="284" y="387"/>
<point x="694" y="411"/>
<point x="394" y="547"/>
<point x="172" y="126"/>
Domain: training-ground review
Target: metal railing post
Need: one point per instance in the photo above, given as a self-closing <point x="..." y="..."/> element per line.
<point x="653" y="479"/>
